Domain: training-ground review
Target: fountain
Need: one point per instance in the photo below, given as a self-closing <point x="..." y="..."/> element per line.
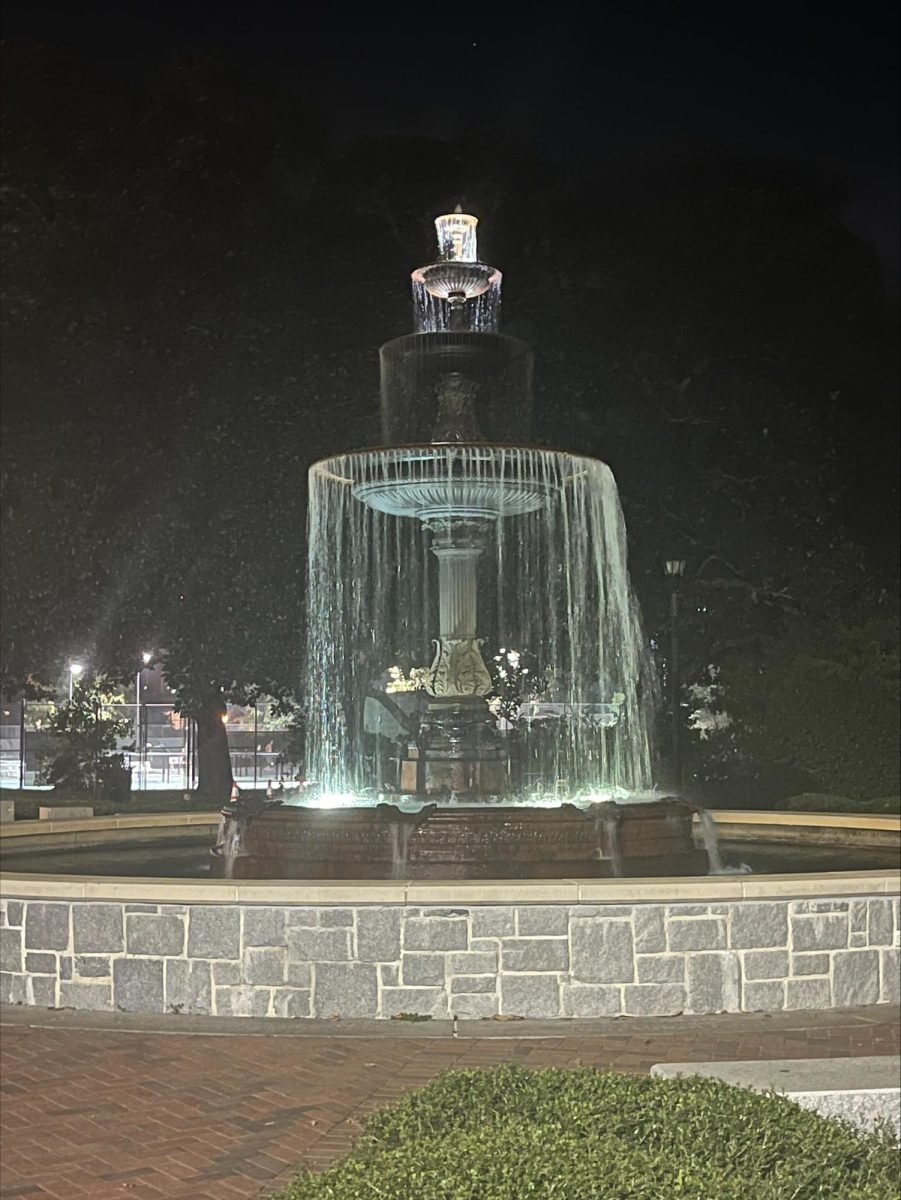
<point x="473" y="764"/>
<point x="478" y="703"/>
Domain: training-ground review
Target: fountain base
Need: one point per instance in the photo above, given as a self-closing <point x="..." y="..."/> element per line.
<point x="458" y="842"/>
<point x="458" y="752"/>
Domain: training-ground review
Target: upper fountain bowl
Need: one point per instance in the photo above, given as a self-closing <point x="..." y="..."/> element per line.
<point x="456" y="280"/>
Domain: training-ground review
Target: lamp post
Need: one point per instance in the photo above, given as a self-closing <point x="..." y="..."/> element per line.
<point x="75" y="669"/>
<point x="146" y="658"/>
<point x="675" y="569"/>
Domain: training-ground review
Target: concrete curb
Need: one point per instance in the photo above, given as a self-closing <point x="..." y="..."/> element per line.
<point x="861" y="1091"/>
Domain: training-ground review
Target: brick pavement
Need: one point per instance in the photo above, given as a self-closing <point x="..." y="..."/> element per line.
<point x="101" y="1112"/>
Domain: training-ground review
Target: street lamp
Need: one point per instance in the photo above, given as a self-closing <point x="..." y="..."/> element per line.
<point x="674" y="569"/>
<point x="75" y="669"/>
<point x="146" y="659"/>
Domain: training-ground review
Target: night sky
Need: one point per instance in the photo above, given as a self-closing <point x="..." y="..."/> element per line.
<point x="815" y="84"/>
<point x="194" y="260"/>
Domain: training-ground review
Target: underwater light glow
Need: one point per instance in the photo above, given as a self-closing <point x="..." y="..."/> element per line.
<point x="334" y="800"/>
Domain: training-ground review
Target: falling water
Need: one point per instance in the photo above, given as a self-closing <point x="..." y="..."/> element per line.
<point x="233" y="845"/>
<point x="552" y="582"/>
<point x="434" y="314"/>
<point x="606" y="824"/>
<point x="400" y="838"/>
<point x="710" y="838"/>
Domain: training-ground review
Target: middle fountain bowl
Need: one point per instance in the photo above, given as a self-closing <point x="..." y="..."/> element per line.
<point x="444" y="482"/>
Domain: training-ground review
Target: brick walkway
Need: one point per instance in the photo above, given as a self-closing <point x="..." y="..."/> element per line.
<point x="101" y="1112"/>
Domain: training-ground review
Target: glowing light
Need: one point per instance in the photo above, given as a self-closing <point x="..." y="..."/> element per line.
<point x="146" y="656"/>
<point x="75" y="668"/>
<point x="618" y="796"/>
<point x="398" y="682"/>
<point x="333" y="800"/>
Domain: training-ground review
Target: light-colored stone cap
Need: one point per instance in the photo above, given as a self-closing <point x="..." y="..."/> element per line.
<point x="99" y="824"/>
<point x="870" y="1073"/>
<point x="693" y="890"/>
<point x="807" y="820"/>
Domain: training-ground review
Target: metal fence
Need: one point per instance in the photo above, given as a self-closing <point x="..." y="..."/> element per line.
<point x="161" y="748"/>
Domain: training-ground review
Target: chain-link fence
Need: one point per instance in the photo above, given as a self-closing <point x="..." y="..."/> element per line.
<point x="160" y="750"/>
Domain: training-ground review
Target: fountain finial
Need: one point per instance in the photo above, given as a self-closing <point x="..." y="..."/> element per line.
<point x="457" y="293"/>
<point x="457" y="236"/>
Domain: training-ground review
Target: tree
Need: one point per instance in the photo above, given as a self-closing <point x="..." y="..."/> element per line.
<point x="818" y="711"/>
<point x="178" y="329"/>
<point x="89" y="730"/>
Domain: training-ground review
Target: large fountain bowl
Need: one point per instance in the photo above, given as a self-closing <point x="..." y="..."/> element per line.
<point x="439" y="482"/>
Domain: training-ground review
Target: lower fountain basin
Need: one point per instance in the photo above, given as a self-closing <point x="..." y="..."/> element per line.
<point x="458" y="842"/>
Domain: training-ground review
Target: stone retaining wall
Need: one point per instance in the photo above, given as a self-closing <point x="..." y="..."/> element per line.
<point x="376" y="960"/>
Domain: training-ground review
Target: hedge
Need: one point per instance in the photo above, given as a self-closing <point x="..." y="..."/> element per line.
<point x="518" y="1134"/>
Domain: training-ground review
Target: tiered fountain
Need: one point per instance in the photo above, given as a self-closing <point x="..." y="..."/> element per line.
<point x="429" y="772"/>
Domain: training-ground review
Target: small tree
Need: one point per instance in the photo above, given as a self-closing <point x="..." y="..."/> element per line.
<point x="89" y="730"/>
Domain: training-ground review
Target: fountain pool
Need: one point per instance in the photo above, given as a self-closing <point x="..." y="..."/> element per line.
<point x="121" y="913"/>
<point x="481" y="839"/>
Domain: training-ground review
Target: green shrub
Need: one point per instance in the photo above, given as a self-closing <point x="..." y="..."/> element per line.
<point x="822" y="702"/>
<point x="823" y="802"/>
<point x="516" y="1134"/>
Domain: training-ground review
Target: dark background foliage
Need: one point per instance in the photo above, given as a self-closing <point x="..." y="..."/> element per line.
<point x="200" y="258"/>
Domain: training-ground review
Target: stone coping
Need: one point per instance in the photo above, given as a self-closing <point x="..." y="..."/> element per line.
<point x="886" y="822"/>
<point x="863" y="1091"/>
<point x="870" y="1072"/>
<point x="699" y="889"/>
<point x="175" y="820"/>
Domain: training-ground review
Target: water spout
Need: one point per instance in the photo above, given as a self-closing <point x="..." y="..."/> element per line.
<point x="606" y="818"/>
<point x="710" y="838"/>
<point x="233" y="846"/>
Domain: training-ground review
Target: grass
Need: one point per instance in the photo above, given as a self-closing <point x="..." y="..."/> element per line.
<point x="518" y="1134"/>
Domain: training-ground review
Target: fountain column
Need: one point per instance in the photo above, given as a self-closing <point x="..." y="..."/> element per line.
<point x="458" y="668"/>
<point x="458" y="750"/>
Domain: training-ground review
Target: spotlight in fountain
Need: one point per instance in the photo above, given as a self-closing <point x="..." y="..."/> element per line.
<point x="424" y="553"/>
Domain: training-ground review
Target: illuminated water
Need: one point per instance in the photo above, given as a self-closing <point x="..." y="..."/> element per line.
<point x="187" y="857"/>
<point x="552" y="587"/>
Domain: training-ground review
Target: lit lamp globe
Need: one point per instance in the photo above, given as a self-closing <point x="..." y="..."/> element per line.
<point x="75" y="669"/>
